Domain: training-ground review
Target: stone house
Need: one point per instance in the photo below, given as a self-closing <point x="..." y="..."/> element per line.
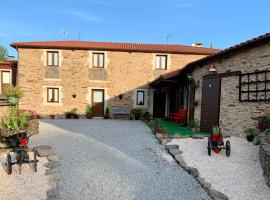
<point x="8" y="70"/>
<point x="231" y="87"/>
<point x="57" y="76"/>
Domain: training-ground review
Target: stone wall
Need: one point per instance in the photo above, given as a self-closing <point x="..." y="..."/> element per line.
<point x="234" y="114"/>
<point x="264" y="156"/>
<point x="124" y="72"/>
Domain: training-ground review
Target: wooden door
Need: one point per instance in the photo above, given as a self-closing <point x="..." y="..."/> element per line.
<point x="210" y="103"/>
<point x="5" y="80"/>
<point x="159" y="104"/>
<point x="98" y="103"/>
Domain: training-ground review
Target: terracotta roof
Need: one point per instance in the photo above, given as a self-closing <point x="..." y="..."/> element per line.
<point x="244" y="45"/>
<point x="10" y="63"/>
<point x="133" y="47"/>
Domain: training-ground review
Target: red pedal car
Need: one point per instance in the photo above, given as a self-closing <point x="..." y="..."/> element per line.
<point x="216" y="142"/>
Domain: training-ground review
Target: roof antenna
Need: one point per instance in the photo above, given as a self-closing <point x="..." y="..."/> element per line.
<point x="64" y="33"/>
<point x="168" y="37"/>
<point x="211" y="45"/>
<point x="79" y="36"/>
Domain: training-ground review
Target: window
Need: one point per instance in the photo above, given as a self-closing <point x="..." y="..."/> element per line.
<point x="53" y="95"/>
<point x="140" y="97"/>
<point x="52" y="58"/>
<point x="98" y="60"/>
<point x="161" y="62"/>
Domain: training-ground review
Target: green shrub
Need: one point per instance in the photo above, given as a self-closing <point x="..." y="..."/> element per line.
<point x="13" y="91"/>
<point x="107" y="113"/>
<point x="193" y="124"/>
<point x="138" y="112"/>
<point x="72" y="114"/>
<point x="89" y="112"/>
<point x="15" y="122"/>
<point x="267" y="132"/>
<point x="250" y="131"/>
<point x="216" y="130"/>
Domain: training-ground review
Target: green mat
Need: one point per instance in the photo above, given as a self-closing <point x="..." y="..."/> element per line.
<point x="171" y="128"/>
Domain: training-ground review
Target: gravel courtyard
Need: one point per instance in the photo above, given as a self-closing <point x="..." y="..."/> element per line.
<point x="239" y="177"/>
<point x="114" y="159"/>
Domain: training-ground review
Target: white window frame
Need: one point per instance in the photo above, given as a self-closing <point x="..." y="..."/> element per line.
<point x="158" y="62"/>
<point x="137" y="97"/>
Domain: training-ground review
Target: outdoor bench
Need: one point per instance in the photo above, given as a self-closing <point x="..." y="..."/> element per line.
<point x="121" y="111"/>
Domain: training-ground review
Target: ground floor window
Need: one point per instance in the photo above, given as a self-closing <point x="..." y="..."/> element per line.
<point x="53" y="95"/>
<point x="140" y="97"/>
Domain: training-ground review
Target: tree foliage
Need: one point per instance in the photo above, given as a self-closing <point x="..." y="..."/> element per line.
<point x="3" y="53"/>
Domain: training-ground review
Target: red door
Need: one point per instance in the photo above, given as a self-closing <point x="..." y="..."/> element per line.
<point x="210" y="103"/>
<point x="98" y="103"/>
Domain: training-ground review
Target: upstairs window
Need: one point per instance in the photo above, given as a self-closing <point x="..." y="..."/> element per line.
<point x="98" y="60"/>
<point x="161" y="62"/>
<point x="53" y="95"/>
<point x="140" y="97"/>
<point x="52" y="58"/>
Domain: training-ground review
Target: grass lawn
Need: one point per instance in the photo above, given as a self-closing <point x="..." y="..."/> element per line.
<point x="171" y="128"/>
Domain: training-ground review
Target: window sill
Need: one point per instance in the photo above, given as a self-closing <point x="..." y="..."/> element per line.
<point x="52" y="79"/>
<point x="52" y="104"/>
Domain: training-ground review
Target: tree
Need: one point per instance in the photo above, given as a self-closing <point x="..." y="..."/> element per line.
<point x="3" y="53"/>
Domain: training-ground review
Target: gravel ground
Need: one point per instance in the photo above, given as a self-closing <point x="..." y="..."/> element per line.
<point x="115" y="159"/>
<point x="28" y="186"/>
<point x="239" y="176"/>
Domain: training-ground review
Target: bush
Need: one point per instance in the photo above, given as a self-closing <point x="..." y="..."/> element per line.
<point x="147" y="116"/>
<point x="31" y="113"/>
<point x="72" y="114"/>
<point x="267" y="132"/>
<point x="107" y="113"/>
<point x="137" y="113"/>
<point x="193" y="124"/>
<point x="89" y="112"/>
<point x="250" y="131"/>
<point x="13" y="91"/>
<point x="15" y="122"/>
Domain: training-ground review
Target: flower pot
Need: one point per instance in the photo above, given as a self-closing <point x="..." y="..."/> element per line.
<point x="194" y="130"/>
<point x="158" y="130"/>
<point x="268" y="139"/>
<point x="13" y="100"/>
<point x="250" y="138"/>
<point x="165" y="135"/>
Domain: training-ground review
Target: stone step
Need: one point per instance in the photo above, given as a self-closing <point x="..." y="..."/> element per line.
<point x="3" y="97"/>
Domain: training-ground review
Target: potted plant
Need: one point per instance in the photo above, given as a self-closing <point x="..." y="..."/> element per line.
<point x="193" y="126"/>
<point x="216" y="130"/>
<point x="137" y="113"/>
<point x="107" y="113"/>
<point x="13" y="122"/>
<point x="72" y="114"/>
<point x="89" y="112"/>
<point x="13" y="93"/>
<point x="263" y="123"/>
<point x="158" y="127"/>
<point x="250" y="133"/>
<point x="147" y="117"/>
<point x="267" y="134"/>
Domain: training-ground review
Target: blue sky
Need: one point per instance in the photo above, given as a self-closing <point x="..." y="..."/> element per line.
<point x="220" y="22"/>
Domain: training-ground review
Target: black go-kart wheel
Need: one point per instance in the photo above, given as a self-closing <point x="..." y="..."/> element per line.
<point x="209" y="148"/>
<point x="8" y="164"/>
<point x="228" y="149"/>
<point x="35" y="161"/>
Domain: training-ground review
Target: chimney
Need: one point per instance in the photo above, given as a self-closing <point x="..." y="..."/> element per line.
<point x="197" y="44"/>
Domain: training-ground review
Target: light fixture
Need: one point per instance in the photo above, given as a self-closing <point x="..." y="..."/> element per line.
<point x="212" y="68"/>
